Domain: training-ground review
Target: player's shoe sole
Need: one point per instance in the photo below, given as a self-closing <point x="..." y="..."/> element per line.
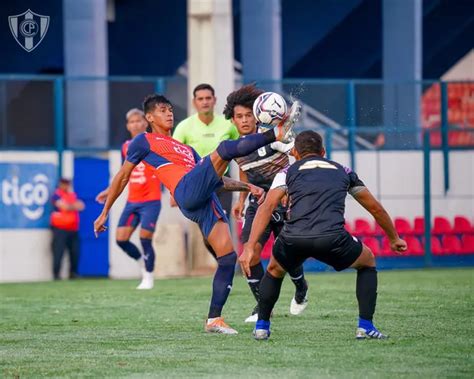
<point x="261" y="334"/>
<point x="219" y="326"/>
<point x="285" y="127"/>
<point x="362" y="334"/>
<point x="298" y="308"/>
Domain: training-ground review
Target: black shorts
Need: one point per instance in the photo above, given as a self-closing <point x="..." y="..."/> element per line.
<point x="275" y="225"/>
<point x="339" y="250"/>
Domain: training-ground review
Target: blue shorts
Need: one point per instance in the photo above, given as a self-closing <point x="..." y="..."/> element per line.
<point x="196" y="197"/>
<point x="147" y="212"/>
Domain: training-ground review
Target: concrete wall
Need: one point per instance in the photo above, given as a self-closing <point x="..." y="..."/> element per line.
<point x="394" y="177"/>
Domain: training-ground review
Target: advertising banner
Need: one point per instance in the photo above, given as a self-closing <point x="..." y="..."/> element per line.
<point x="25" y="194"/>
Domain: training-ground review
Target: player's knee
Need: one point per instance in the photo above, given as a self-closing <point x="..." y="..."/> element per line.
<point x="275" y="269"/>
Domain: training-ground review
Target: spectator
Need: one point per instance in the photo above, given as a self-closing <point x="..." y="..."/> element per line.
<point x="65" y="227"/>
<point x="204" y="130"/>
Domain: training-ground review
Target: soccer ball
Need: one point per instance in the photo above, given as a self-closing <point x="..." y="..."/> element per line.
<point x="269" y="108"/>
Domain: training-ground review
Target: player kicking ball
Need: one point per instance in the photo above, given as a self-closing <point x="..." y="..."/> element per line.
<point x="143" y="206"/>
<point x="192" y="182"/>
<point x="317" y="188"/>
<point x="260" y="168"/>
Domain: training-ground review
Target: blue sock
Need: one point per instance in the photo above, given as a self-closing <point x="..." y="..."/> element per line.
<point x="229" y="149"/>
<point x="222" y="283"/>
<point x="262" y="324"/>
<point x="366" y="324"/>
<point x="148" y="254"/>
<point x="130" y="249"/>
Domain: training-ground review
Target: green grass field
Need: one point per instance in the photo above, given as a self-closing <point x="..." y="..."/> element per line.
<point x="104" y="328"/>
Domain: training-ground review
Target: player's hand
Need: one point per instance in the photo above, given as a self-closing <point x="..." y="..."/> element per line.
<point x="245" y="258"/>
<point x="173" y="203"/>
<point x="238" y="210"/>
<point x="284" y="201"/>
<point x="102" y="197"/>
<point x="99" y="224"/>
<point x="398" y="245"/>
<point x="257" y="192"/>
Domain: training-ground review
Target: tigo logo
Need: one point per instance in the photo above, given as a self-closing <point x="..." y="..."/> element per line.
<point x="25" y="194"/>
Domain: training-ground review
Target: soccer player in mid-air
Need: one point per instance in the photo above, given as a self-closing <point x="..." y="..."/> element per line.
<point x="143" y="206"/>
<point x="317" y="188"/>
<point x="259" y="168"/>
<point x="193" y="181"/>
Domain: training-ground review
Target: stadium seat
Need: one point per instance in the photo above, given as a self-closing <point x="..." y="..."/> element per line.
<point x="362" y="227"/>
<point x="373" y="244"/>
<point x="467" y="245"/>
<point x="403" y="226"/>
<point x="419" y="226"/>
<point x="441" y="225"/>
<point x="436" y="248"/>
<point x="378" y="231"/>
<point x="414" y="246"/>
<point x="462" y="225"/>
<point x="451" y="244"/>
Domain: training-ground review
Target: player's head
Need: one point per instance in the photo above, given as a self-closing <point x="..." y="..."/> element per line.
<point x="136" y="122"/>
<point x="64" y="184"/>
<point x="239" y="108"/>
<point x="204" y="99"/>
<point x="158" y="112"/>
<point x="308" y="143"/>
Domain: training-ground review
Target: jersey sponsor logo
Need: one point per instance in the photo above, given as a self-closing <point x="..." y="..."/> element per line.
<point x="262" y="152"/>
<point x="317" y="164"/>
<point x="138" y="174"/>
<point x="25" y="194"/>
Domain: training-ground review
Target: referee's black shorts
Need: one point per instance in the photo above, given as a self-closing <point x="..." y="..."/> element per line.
<point x="338" y="250"/>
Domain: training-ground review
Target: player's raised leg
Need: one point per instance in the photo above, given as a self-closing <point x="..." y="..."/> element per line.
<point x="366" y="292"/>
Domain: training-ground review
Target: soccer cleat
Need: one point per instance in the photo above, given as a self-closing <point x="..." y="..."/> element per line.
<point x="217" y="325"/>
<point x="362" y="334"/>
<point x="262" y="330"/>
<point x="298" y="304"/>
<point x="254" y="316"/>
<point x="148" y="281"/>
<point x="284" y="130"/>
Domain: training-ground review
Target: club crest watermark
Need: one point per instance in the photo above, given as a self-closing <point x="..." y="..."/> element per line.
<point x="28" y="29"/>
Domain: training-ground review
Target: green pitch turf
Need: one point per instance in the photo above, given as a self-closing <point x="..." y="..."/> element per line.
<point x="104" y="328"/>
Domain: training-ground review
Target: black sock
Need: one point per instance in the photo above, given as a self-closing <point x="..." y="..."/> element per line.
<point x="222" y="283"/>
<point x="256" y="275"/>
<point x="366" y="292"/>
<point x="297" y="277"/>
<point x="269" y="292"/>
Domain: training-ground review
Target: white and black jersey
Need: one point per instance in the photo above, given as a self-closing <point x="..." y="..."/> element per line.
<point x="262" y="165"/>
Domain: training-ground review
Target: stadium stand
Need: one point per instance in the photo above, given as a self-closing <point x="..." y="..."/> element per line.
<point x="460" y="113"/>
<point x="448" y="237"/>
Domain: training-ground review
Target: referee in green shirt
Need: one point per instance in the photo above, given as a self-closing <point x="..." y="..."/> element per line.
<point x="204" y="130"/>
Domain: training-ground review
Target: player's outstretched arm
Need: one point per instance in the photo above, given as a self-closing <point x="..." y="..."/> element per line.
<point x="119" y="182"/>
<point x="237" y="186"/>
<point x="260" y="222"/>
<point x="369" y="202"/>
